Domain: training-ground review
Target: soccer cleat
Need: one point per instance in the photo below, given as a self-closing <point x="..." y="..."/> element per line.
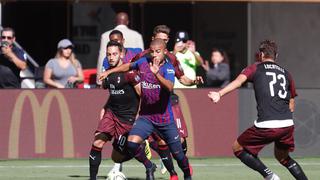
<point x="272" y="177"/>
<point x="150" y="172"/>
<point x="163" y="169"/>
<point x="188" y="178"/>
<point x="191" y="170"/>
<point x="174" y="177"/>
<point x="147" y="150"/>
<point x="116" y="168"/>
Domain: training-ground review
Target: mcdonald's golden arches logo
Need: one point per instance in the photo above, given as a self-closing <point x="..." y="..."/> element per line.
<point x="40" y="120"/>
<point x="188" y="119"/>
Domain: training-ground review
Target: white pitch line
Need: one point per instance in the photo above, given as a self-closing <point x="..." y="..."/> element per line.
<point x="139" y="166"/>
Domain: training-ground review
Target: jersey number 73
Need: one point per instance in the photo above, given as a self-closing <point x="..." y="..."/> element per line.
<point x="280" y="78"/>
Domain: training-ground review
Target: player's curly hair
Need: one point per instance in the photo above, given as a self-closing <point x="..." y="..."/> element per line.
<point x="269" y="48"/>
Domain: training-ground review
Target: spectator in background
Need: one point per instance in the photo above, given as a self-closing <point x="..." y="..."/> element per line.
<point x="132" y="38"/>
<point x="218" y="73"/>
<point x="63" y="71"/>
<point x="189" y="58"/>
<point x="12" y="60"/>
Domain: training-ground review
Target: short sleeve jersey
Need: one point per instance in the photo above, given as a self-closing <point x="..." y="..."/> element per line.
<point x="171" y="57"/>
<point x="155" y="100"/>
<point x="130" y="54"/>
<point x="123" y="100"/>
<point x="273" y="87"/>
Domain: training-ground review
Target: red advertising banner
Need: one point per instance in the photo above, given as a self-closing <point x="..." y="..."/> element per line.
<point x="61" y="123"/>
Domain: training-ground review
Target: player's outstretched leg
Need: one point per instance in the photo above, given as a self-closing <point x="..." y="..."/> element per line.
<point x="95" y="154"/>
<point x="160" y="146"/>
<point x="181" y="159"/>
<point x="137" y="151"/>
<point x="166" y="159"/>
<point x="293" y="167"/>
<point x="94" y="161"/>
<point x="253" y="162"/>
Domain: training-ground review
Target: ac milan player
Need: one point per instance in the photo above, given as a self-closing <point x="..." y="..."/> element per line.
<point x="274" y="91"/>
<point x="120" y="113"/>
<point x="127" y="54"/>
<point x="157" y="78"/>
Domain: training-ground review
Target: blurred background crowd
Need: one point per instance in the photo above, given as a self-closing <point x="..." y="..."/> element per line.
<point x="61" y="44"/>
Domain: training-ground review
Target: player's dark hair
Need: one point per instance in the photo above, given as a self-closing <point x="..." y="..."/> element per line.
<point x="115" y="32"/>
<point x="8" y="29"/>
<point x="161" y="29"/>
<point x="223" y="53"/>
<point x="269" y="48"/>
<point x="158" y="41"/>
<point x="115" y="43"/>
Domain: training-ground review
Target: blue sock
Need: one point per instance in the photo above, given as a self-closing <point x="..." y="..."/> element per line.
<point x="137" y="150"/>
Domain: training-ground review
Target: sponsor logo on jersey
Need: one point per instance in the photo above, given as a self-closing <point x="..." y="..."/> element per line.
<point x="147" y="85"/>
<point x="117" y="92"/>
<point x="170" y="71"/>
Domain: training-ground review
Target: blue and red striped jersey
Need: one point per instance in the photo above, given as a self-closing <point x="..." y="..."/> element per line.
<point x="155" y="99"/>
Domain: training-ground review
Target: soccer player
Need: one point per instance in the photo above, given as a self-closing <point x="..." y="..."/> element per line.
<point x="127" y="54"/>
<point x="120" y="113"/>
<point x="274" y="91"/>
<point x="157" y="79"/>
<point x="163" y="32"/>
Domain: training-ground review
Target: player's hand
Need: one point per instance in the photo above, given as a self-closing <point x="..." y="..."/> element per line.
<point x="214" y="96"/>
<point x="103" y="75"/>
<point x="198" y="80"/>
<point x="155" y="65"/>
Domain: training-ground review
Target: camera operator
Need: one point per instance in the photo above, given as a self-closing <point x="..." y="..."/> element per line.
<point x="12" y="60"/>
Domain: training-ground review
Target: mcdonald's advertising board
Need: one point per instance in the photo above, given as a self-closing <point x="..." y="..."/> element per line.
<point x="61" y="123"/>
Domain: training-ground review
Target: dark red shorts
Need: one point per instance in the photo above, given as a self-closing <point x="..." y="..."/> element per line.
<point x="179" y="119"/>
<point x="254" y="139"/>
<point x="112" y="126"/>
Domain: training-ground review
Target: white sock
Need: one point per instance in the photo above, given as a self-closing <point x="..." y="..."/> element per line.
<point x="117" y="166"/>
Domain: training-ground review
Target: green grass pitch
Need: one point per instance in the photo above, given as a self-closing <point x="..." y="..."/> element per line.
<point x="204" y="169"/>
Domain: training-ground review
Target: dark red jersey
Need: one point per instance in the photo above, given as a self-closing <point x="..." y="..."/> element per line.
<point x="273" y="87"/>
<point x="172" y="58"/>
<point x="123" y="100"/>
